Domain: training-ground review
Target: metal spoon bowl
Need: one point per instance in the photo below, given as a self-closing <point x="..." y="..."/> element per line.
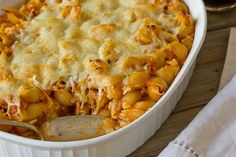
<point x="70" y="128"/>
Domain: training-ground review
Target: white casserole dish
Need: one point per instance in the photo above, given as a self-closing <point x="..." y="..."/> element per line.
<point x="125" y="140"/>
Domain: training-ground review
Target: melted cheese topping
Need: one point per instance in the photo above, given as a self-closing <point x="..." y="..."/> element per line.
<point x="60" y="44"/>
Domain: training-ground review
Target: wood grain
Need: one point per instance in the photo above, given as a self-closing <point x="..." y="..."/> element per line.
<point x="221" y="20"/>
<point x="202" y="88"/>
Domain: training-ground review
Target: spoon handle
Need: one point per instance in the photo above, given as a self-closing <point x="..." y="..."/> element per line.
<point x="22" y="124"/>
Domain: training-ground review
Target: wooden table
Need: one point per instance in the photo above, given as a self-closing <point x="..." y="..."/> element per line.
<point x="202" y="87"/>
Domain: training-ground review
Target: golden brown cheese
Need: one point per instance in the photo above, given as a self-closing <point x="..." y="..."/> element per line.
<point x="51" y="47"/>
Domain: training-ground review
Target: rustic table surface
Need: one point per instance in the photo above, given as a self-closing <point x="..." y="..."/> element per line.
<point x="202" y="87"/>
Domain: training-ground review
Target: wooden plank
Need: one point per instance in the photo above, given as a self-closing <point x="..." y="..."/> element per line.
<point x="214" y="49"/>
<point x="221" y="20"/>
<point x="203" y="86"/>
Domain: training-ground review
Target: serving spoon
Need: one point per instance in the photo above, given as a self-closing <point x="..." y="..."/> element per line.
<point x="70" y="128"/>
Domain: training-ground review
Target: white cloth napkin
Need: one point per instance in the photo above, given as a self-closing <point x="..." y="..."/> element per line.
<point x="213" y="131"/>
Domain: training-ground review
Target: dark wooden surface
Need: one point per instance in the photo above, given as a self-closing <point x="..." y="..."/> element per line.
<point x="202" y="87"/>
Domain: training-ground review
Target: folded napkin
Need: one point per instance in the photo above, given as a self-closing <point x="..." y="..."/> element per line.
<point x="213" y="131"/>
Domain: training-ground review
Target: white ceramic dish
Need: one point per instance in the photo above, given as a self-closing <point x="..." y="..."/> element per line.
<point x="125" y="140"/>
